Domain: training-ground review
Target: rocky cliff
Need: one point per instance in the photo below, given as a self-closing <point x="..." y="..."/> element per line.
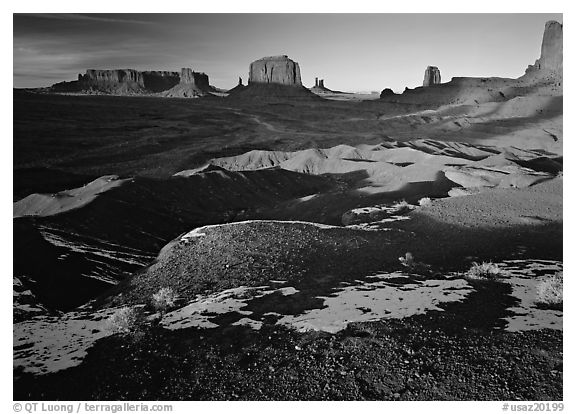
<point x="134" y="82"/>
<point x="431" y="76"/>
<point x="199" y="79"/>
<point x="551" y="55"/>
<point x="275" y="69"/>
<point x="127" y="81"/>
<point x="319" y="87"/>
<point x="192" y="85"/>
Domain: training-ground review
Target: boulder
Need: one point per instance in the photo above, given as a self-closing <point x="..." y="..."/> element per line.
<point x="431" y="76"/>
<point x="275" y="69"/>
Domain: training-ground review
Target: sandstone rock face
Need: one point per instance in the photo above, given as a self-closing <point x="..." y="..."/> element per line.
<point x="431" y="76"/>
<point x="551" y="55"/>
<point x="112" y="76"/>
<point x="192" y="85"/>
<point x="320" y="88"/>
<point x="127" y="81"/>
<point x="160" y="80"/>
<point x="275" y="69"/>
<point x="201" y="80"/>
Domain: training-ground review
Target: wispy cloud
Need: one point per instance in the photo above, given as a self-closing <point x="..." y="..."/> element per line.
<point x="86" y="17"/>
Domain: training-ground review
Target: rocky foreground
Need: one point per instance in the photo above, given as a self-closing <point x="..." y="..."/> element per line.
<point x="462" y="350"/>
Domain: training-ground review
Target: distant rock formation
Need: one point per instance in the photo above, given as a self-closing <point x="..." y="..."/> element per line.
<point x="127" y="81"/>
<point x="275" y="69"/>
<point x="238" y="87"/>
<point x="387" y="93"/>
<point x="199" y="79"/>
<point x="274" y="77"/>
<point x="192" y="85"/>
<point x="319" y="87"/>
<point x="545" y="74"/>
<point x="551" y="55"/>
<point x="431" y="76"/>
<point x="134" y="82"/>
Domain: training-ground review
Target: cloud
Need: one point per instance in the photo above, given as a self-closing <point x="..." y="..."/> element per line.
<point x="86" y="17"/>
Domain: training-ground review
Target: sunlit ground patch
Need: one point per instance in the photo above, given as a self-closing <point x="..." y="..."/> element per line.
<point x="523" y="277"/>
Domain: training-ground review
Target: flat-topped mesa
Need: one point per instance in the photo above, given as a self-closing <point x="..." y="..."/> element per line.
<point x="127" y="80"/>
<point x="431" y="76"/>
<point x="112" y="75"/>
<point x="551" y="55"/>
<point x="275" y="69"/>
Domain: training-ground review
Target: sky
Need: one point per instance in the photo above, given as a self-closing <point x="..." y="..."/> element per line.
<point x="351" y="52"/>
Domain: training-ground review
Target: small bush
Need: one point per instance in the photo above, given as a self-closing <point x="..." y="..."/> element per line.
<point x="164" y="299"/>
<point x="550" y="291"/>
<point x="407" y="260"/>
<point x="413" y="266"/>
<point x="426" y="201"/>
<point x="125" y="320"/>
<point x="401" y="207"/>
<point x="485" y="270"/>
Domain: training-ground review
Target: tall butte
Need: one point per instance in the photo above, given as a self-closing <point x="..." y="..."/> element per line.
<point x="431" y="76"/>
<point x="275" y="69"/>
<point x="551" y="55"/>
<point x="274" y="77"/>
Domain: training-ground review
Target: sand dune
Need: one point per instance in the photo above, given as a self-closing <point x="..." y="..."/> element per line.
<point x="51" y="204"/>
<point x="392" y="166"/>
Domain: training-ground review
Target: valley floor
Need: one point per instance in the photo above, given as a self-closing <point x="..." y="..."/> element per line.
<point x="299" y="288"/>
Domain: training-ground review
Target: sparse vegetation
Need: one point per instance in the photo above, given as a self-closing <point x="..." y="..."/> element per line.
<point x="164" y="300"/>
<point x="426" y="201"/>
<point x="401" y="207"/>
<point x="550" y="291"/>
<point x="414" y="266"/>
<point x="125" y="320"/>
<point x="407" y="260"/>
<point x="485" y="270"/>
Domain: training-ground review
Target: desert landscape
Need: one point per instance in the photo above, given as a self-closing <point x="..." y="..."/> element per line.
<point x="174" y="240"/>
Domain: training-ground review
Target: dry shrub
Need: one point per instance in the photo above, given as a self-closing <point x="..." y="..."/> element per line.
<point x="125" y="320"/>
<point x="550" y="291"/>
<point x="485" y="270"/>
<point x="164" y="300"/>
